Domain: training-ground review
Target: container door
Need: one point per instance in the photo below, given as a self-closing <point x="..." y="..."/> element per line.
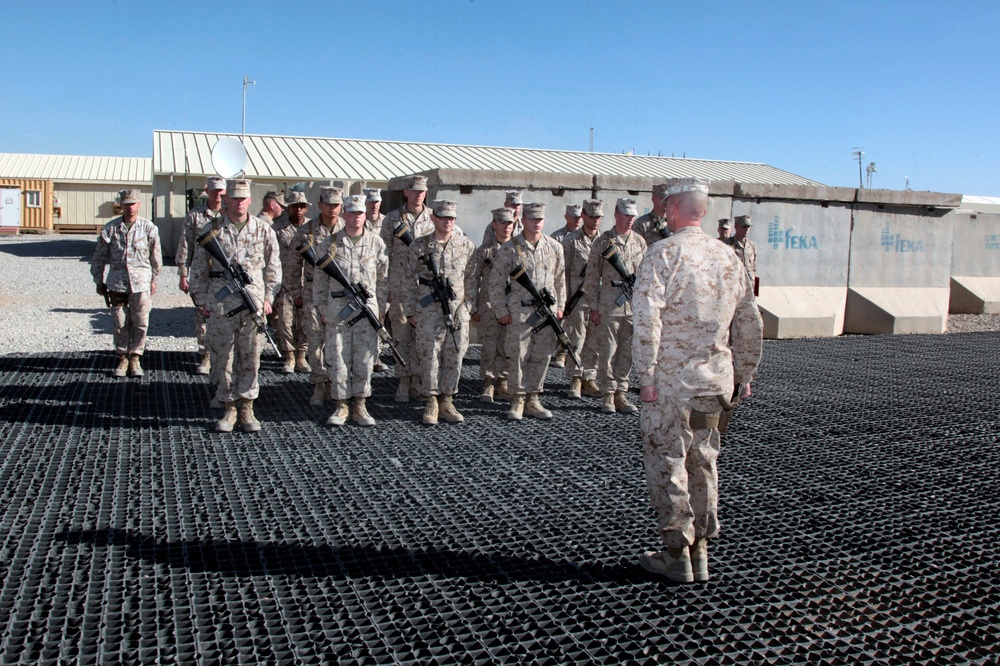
<point x="10" y="207"/>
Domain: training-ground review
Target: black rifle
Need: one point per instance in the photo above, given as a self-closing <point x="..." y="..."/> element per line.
<point x="543" y="315"/>
<point x="442" y="292"/>
<point x="237" y="280"/>
<point x="628" y="279"/>
<point x="403" y="232"/>
<point x="357" y="294"/>
<point x="574" y="300"/>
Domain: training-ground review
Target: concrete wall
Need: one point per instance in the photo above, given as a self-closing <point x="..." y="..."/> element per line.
<point x="975" y="264"/>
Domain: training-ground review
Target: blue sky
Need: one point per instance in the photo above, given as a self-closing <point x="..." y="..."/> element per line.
<point x="796" y="85"/>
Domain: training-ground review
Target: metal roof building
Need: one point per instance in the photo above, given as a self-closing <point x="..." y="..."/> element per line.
<point x="73" y="193"/>
<point x="309" y="158"/>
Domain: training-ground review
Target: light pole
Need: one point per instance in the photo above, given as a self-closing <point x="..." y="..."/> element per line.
<point x="246" y="82"/>
<point x="858" y="153"/>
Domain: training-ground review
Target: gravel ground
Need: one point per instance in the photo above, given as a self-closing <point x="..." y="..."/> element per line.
<point x="49" y="304"/>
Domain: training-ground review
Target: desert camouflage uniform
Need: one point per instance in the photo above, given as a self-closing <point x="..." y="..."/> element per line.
<point x="613" y="337"/>
<point x="528" y="352"/>
<point x="493" y="361"/>
<point x="375" y="226"/>
<point x="350" y="350"/>
<point x="234" y="342"/>
<point x="747" y="253"/>
<point x="420" y="225"/>
<point x="301" y="286"/>
<point x="440" y="363"/>
<point x="132" y="255"/>
<point x="697" y="332"/>
<point x="289" y="321"/>
<point x="561" y="233"/>
<point x="649" y="226"/>
<point x="577" y="248"/>
<point x="196" y="218"/>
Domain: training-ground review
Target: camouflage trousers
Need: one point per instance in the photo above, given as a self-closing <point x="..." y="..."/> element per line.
<point x="315" y="338"/>
<point x="131" y="323"/>
<point x="199" y="328"/>
<point x="681" y="472"/>
<point x="493" y="361"/>
<point x="402" y="332"/>
<point x="613" y="340"/>
<point x="529" y="355"/>
<point x="440" y="363"/>
<point x="235" y="345"/>
<point x="289" y="323"/>
<point x="581" y="336"/>
<point x="350" y="355"/>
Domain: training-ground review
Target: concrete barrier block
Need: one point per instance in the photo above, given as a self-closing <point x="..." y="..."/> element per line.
<point x="808" y="193"/>
<point x="974" y="295"/>
<point x="802" y="312"/>
<point x="909" y="198"/>
<point x="873" y="310"/>
<point x="900" y="247"/>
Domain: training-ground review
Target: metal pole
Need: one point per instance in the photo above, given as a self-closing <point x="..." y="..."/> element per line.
<point x="246" y="82"/>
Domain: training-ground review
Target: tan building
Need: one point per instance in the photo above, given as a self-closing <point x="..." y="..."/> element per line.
<point x="67" y="193"/>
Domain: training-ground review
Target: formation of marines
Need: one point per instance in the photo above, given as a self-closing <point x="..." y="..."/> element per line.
<point x="653" y="289"/>
<point x="424" y="280"/>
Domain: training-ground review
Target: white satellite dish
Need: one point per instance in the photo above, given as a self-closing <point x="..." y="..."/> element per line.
<point x="229" y="157"/>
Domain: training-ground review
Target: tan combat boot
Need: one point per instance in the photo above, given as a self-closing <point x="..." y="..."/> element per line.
<point x="289" y="366"/>
<point x="204" y="365"/>
<point x="516" y="408"/>
<point x="448" y="411"/>
<point x="608" y="404"/>
<point x="403" y="392"/>
<point x="559" y="360"/>
<point x="301" y="362"/>
<point x="623" y="405"/>
<point x="228" y="420"/>
<point x="319" y="394"/>
<point x="533" y="407"/>
<point x="698" y="552"/>
<point x="361" y="415"/>
<point x="502" y="391"/>
<point x="431" y="411"/>
<point x="672" y="563"/>
<point x="590" y="388"/>
<point x="340" y="414"/>
<point x="574" y="388"/>
<point x="247" y="418"/>
<point x="487" y="394"/>
<point x="122" y="368"/>
<point x="135" y="365"/>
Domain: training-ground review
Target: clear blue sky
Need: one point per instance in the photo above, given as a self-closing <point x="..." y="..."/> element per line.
<point x="794" y="84"/>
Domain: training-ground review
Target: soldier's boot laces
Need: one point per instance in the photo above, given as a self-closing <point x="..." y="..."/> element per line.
<point x="622" y="405"/>
<point x="319" y="394"/>
<point x="403" y="392"/>
<point x="448" y="412"/>
<point x="590" y="388"/>
<point x="431" y="411"/>
<point x="361" y="415"/>
<point x="247" y="418"/>
<point x="574" y="388"/>
<point x="339" y="415"/>
<point x="228" y="420"/>
<point x="502" y="391"/>
<point x="289" y="366"/>
<point x="122" y="368"/>
<point x="608" y="404"/>
<point x="204" y="365"/>
<point x="487" y="394"/>
<point x="516" y="408"/>
<point x="135" y="365"/>
<point x="533" y="407"/>
<point x="301" y="363"/>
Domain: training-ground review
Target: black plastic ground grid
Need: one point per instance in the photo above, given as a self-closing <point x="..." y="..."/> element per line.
<point x="858" y="505"/>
